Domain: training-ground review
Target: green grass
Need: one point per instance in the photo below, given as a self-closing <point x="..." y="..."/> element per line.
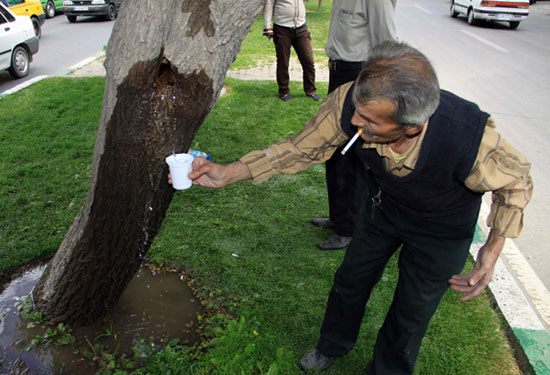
<point x="249" y="249"/>
<point x="46" y="144"/>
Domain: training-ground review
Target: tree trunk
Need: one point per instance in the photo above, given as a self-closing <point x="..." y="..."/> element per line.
<point x="166" y="65"/>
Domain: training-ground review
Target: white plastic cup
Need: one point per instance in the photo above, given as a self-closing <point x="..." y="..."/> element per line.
<point x="180" y="167"/>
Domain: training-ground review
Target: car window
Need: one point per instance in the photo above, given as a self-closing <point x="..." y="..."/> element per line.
<point x="5" y="15"/>
<point x="15" y="2"/>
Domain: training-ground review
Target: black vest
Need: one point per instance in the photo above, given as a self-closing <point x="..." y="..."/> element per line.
<point x="435" y="189"/>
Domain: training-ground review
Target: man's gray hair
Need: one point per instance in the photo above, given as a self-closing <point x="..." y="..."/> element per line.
<point x="400" y="73"/>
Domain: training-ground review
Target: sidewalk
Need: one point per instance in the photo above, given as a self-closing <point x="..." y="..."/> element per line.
<point x="521" y="297"/>
<point x="95" y="67"/>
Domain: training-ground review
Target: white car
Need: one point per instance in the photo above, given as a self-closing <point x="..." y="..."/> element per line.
<point x="512" y="11"/>
<point x="18" y="43"/>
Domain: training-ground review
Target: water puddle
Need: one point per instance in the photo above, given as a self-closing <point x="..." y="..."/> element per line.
<point x="154" y="306"/>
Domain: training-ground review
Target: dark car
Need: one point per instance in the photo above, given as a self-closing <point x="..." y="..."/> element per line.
<point x="107" y="9"/>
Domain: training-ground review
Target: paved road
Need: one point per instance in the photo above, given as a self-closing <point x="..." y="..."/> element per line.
<point x="506" y="72"/>
<point x="63" y="45"/>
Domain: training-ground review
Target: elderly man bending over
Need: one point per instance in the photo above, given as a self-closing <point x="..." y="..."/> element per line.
<point x="428" y="155"/>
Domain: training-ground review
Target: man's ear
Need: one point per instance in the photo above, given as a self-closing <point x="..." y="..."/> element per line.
<point x="413" y="130"/>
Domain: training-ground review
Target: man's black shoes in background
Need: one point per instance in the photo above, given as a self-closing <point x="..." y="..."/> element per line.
<point x="335" y="242"/>
<point x="286" y="98"/>
<point x="314" y="97"/>
<point x="314" y="360"/>
<point x="323" y="222"/>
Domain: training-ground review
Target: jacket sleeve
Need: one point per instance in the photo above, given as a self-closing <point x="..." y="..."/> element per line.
<point x="268" y="14"/>
<point x="502" y="170"/>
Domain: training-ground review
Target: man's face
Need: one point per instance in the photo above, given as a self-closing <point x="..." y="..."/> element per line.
<point x="375" y="120"/>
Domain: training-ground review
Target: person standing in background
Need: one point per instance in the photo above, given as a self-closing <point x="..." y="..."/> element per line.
<point x="355" y="27"/>
<point x="288" y="18"/>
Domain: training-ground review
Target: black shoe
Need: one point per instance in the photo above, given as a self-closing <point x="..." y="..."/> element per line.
<point x="314" y="97"/>
<point x="314" y="360"/>
<point x="335" y="242"/>
<point x="286" y="98"/>
<point x="323" y="222"/>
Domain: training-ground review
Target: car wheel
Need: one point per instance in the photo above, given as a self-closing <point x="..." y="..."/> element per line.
<point x="514" y="24"/>
<point x="453" y="12"/>
<point x="111" y="13"/>
<point x="50" y="9"/>
<point x="71" y="19"/>
<point x="37" y="29"/>
<point x="471" y="17"/>
<point x="19" y="63"/>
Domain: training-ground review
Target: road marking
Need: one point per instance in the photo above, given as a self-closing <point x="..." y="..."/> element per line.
<point x="485" y="41"/>
<point x="423" y="9"/>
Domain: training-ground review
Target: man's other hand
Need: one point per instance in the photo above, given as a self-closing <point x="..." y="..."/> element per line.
<point x="473" y="283"/>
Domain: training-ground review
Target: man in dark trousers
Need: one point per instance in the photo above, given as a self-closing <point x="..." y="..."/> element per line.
<point x="428" y="157"/>
<point x="355" y="27"/>
<point x="288" y="18"/>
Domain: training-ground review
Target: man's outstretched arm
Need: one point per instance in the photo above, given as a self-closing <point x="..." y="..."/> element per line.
<point x="212" y="175"/>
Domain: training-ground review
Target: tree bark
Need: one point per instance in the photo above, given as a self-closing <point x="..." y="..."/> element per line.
<point x="166" y="65"/>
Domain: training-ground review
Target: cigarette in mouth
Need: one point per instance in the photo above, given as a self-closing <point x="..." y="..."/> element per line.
<point x="351" y="141"/>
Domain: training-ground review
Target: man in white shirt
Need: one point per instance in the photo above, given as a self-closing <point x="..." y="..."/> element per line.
<point x="355" y="27"/>
<point x="289" y="29"/>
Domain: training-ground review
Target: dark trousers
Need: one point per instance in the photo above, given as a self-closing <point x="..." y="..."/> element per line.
<point x="430" y="255"/>
<point x="346" y="188"/>
<point x="300" y="40"/>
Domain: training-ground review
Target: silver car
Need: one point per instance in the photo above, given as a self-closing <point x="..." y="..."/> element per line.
<point x="511" y="11"/>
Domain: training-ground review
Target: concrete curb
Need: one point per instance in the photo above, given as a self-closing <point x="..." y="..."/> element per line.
<point x="81" y="64"/>
<point x="525" y="320"/>
<point x="22" y="86"/>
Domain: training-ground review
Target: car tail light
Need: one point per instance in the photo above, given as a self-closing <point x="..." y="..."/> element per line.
<point x="504" y="4"/>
